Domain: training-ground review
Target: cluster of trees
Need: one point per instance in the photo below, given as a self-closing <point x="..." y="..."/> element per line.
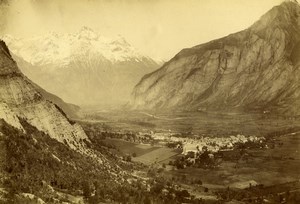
<point x="100" y="132"/>
<point x="250" y="145"/>
<point x="199" y="159"/>
<point x="96" y="134"/>
<point x="174" y="144"/>
<point x="167" y="192"/>
<point x="35" y="161"/>
<point x="156" y="190"/>
<point x="259" y="194"/>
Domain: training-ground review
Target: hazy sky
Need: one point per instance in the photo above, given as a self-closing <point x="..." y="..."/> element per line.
<point x="158" y="28"/>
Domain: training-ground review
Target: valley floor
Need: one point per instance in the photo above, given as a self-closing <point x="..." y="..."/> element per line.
<point x="271" y="166"/>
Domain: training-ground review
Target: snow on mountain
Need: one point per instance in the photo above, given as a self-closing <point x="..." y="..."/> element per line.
<point x="83" y="68"/>
<point x="54" y="48"/>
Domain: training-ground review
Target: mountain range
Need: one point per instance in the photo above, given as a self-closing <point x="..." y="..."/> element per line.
<point x="84" y="68"/>
<point x="256" y="69"/>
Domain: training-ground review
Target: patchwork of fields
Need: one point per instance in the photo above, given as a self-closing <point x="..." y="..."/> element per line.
<point x="276" y="164"/>
<point x="265" y="166"/>
<point x="281" y="162"/>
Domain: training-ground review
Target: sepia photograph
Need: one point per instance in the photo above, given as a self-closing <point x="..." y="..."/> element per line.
<point x="149" y="102"/>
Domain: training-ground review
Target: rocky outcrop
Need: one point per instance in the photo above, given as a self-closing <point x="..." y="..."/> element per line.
<point x="20" y="99"/>
<point x="257" y="68"/>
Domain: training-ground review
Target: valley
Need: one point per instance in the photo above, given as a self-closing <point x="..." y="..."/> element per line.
<point x="195" y="122"/>
<point x="89" y="119"/>
<point x="147" y="138"/>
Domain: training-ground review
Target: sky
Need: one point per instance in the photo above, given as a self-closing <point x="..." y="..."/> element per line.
<point x="157" y="28"/>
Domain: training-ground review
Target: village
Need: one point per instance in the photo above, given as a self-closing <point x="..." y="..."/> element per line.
<point x="195" y="143"/>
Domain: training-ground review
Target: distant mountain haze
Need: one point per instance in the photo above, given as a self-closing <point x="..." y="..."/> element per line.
<point x="73" y="111"/>
<point x="20" y="99"/>
<point x="255" y="69"/>
<point x="83" y="68"/>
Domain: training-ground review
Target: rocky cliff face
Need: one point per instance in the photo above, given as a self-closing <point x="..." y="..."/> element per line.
<point x="20" y="99"/>
<point x="257" y="68"/>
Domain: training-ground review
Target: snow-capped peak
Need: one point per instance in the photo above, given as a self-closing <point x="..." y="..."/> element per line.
<point x="87" y="33"/>
<point x="60" y="49"/>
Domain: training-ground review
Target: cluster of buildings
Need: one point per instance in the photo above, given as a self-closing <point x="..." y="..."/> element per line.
<point x="212" y="144"/>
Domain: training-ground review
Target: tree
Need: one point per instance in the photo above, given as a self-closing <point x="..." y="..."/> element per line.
<point x="147" y="200"/>
<point x="86" y="188"/>
<point x="157" y="188"/>
<point x="181" y="195"/>
<point x="128" y="158"/>
<point x="100" y="193"/>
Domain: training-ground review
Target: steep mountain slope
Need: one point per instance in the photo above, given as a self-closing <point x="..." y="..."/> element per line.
<point x="257" y="68"/>
<point x="82" y="68"/>
<point x="70" y="109"/>
<point x="20" y="99"/>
